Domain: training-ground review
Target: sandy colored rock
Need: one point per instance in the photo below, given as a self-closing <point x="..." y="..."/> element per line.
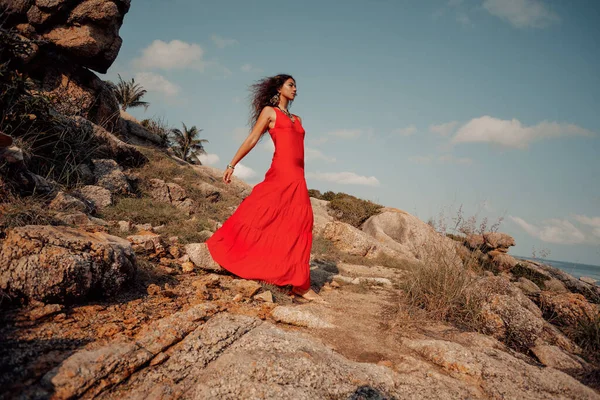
<point x="566" y="309"/>
<point x="502" y="261"/>
<point x="555" y="357"/>
<point x="200" y="256"/>
<point x="320" y="215"/>
<point x="246" y="288"/>
<point x="408" y="236"/>
<point x="352" y="240"/>
<point x="528" y="287"/>
<point x="587" y="279"/>
<point x="297" y="316"/>
<point x="147" y="241"/>
<point x="188" y="267"/>
<point x="499" y="374"/>
<point x="81" y="264"/>
<point x="73" y="218"/>
<point x="266" y="296"/>
<point x="64" y="202"/>
<point x="494" y="240"/>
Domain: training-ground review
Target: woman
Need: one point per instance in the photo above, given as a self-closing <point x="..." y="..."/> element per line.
<point x="269" y="236"/>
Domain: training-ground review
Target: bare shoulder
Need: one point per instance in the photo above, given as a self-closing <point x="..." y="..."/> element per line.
<point x="297" y="116"/>
<point x="268" y="111"/>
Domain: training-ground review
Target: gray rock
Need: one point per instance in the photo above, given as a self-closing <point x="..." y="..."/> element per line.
<point x="110" y="176"/>
<point x="59" y="264"/>
<point x="97" y="196"/>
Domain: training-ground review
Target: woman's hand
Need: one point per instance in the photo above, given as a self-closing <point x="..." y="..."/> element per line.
<point x="227" y="175"/>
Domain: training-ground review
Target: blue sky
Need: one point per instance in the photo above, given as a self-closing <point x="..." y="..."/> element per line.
<point x="420" y="105"/>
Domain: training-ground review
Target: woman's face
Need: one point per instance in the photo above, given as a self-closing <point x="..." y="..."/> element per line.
<point x="288" y="89"/>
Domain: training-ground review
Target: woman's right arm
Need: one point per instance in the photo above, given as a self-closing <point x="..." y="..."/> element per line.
<point x="261" y="125"/>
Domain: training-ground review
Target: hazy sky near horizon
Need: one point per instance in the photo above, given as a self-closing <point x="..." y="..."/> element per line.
<point x="420" y="105"/>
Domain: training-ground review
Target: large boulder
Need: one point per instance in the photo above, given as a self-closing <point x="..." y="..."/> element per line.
<point x="409" y="236"/>
<point x="61" y="264"/>
<point x="133" y="129"/>
<point x="85" y="32"/>
<point x="321" y="216"/>
<point x="566" y="309"/>
<point x="354" y="241"/>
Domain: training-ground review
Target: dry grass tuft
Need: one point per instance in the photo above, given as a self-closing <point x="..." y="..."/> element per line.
<point x="16" y="211"/>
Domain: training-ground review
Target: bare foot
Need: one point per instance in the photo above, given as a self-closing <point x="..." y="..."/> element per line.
<point x="310" y="295"/>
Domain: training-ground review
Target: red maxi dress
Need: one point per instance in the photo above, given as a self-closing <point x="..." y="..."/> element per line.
<point x="269" y="236"/>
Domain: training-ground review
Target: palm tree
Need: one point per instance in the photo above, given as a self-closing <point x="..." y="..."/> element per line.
<point x="129" y="94"/>
<point x="185" y="144"/>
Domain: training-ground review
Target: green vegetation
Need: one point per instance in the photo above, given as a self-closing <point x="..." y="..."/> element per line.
<point x="186" y="144"/>
<point x="347" y="208"/>
<point x="129" y="94"/>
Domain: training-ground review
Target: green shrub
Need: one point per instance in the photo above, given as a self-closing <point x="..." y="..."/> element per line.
<point x="351" y="210"/>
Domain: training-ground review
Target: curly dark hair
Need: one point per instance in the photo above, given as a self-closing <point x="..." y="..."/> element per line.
<point x="261" y="93"/>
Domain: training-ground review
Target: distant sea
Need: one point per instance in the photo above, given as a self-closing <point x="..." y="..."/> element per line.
<point x="575" y="269"/>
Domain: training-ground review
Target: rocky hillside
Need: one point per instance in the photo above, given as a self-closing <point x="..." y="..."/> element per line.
<point x="107" y="290"/>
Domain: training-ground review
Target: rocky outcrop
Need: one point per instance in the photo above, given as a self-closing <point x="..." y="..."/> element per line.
<point x="321" y="215"/>
<point x="494" y="248"/>
<point x="170" y="193"/>
<point x="61" y="264"/>
<point x="132" y="128"/>
<point x="86" y="32"/>
<point x="566" y="309"/>
<point x="408" y="236"/>
<point x="109" y="175"/>
<point x="353" y="241"/>
<point x="109" y="145"/>
<point x="66" y="40"/>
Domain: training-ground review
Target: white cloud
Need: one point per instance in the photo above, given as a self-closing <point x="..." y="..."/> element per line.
<point x="560" y="231"/>
<point x="208" y="159"/>
<point x="593" y="222"/>
<point x="243" y="172"/>
<point x="409" y="130"/>
<point x="157" y="83"/>
<point x="522" y="13"/>
<point x="222" y="42"/>
<point x="315" y="154"/>
<point x="512" y="133"/>
<point x="444" y="129"/>
<point x="345" y="178"/>
<point x="250" y="68"/>
<point x="175" y="54"/>
<point x="346" y="133"/>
